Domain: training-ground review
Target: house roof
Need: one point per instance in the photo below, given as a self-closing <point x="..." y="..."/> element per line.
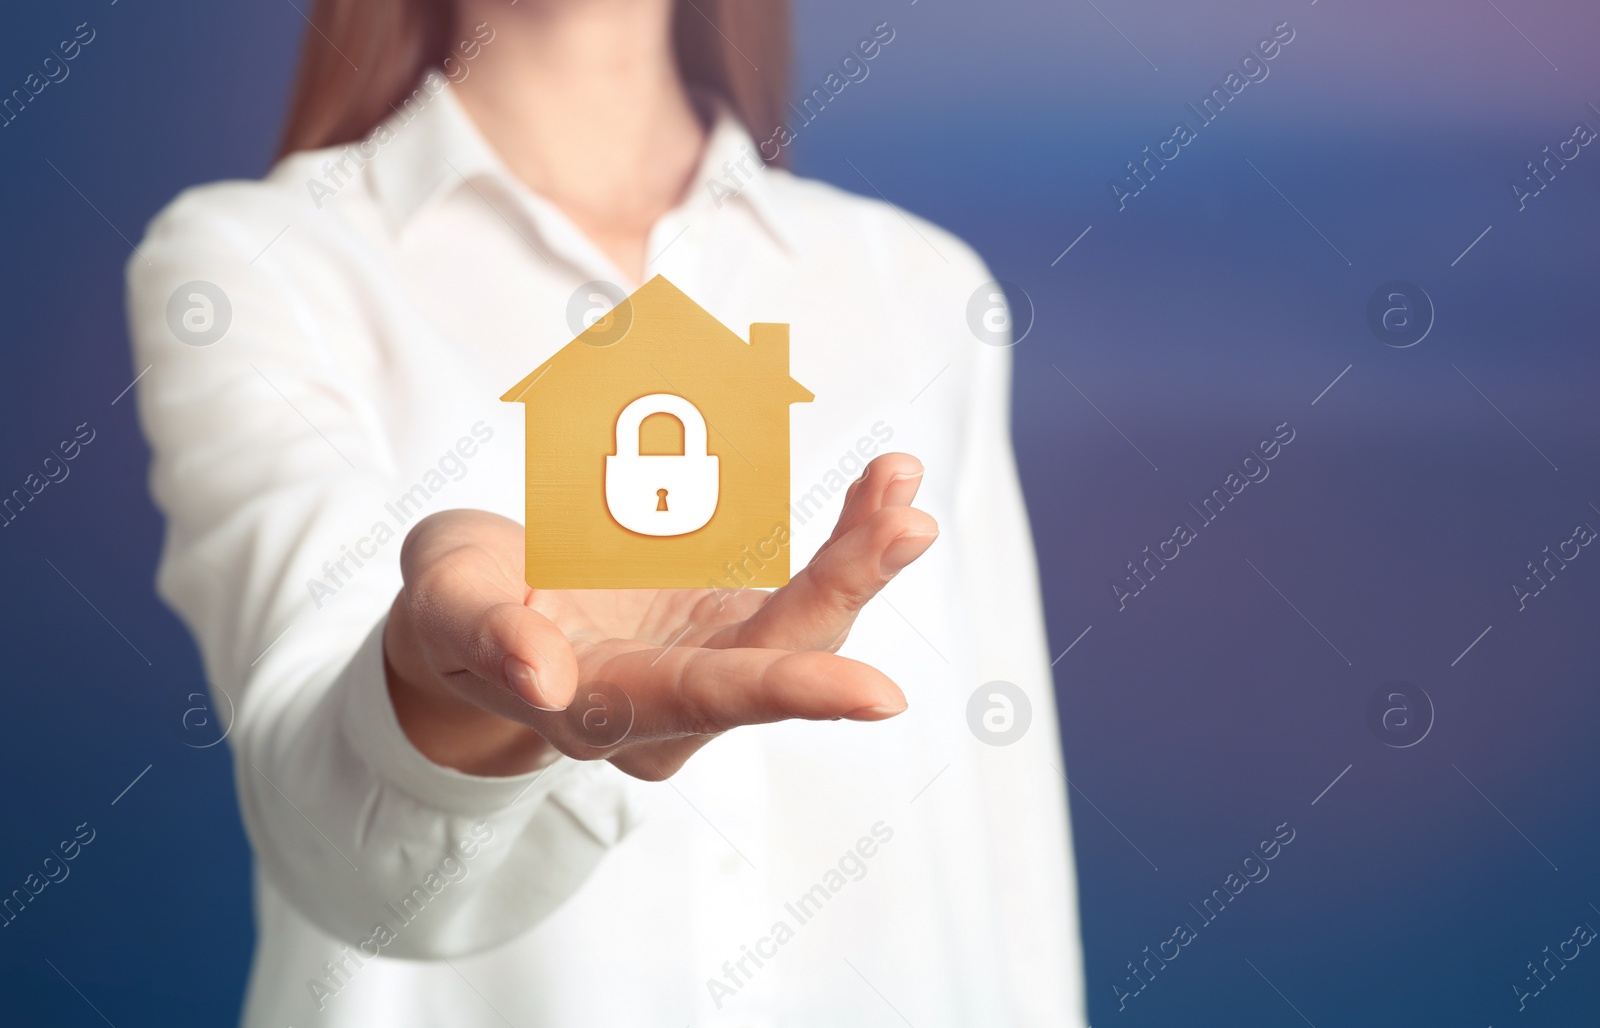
<point x="667" y="325"/>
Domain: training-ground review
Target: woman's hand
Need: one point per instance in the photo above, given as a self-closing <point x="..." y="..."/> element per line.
<point x="493" y="678"/>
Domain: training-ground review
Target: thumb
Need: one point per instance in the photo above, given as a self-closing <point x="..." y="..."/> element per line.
<point x="535" y="660"/>
<point x="472" y="626"/>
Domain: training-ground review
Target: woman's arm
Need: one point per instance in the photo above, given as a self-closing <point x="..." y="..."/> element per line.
<point x="1036" y="900"/>
<point x="268" y="452"/>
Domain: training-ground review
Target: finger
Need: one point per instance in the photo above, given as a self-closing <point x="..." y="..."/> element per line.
<point x="891" y="480"/>
<point x="660" y="760"/>
<point x="451" y="530"/>
<point x="474" y="628"/>
<point x="819" y="605"/>
<point x="689" y="691"/>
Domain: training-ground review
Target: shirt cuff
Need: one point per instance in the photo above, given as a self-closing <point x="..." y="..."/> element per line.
<point x="374" y="733"/>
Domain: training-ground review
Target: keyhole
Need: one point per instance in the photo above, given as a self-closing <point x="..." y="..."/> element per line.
<point x="661" y="499"/>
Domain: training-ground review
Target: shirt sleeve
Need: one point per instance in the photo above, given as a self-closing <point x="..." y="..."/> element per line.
<point x="272" y="450"/>
<point x="1036" y="895"/>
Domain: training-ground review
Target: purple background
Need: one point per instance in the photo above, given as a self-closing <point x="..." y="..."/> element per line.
<point x="1207" y="312"/>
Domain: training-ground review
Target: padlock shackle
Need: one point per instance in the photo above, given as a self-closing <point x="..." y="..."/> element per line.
<point x="688" y="415"/>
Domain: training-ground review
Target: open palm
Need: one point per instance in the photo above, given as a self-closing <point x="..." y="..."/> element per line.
<point x="492" y="677"/>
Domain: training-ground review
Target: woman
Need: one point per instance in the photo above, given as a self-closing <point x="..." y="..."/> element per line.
<point x="472" y="802"/>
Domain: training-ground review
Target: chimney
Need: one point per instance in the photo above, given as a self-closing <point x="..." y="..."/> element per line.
<point x="770" y="343"/>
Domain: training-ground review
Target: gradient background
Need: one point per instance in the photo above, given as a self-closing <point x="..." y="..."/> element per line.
<point x="1205" y="714"/>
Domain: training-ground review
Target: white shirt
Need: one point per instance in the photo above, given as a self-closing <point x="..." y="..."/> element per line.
<point x="376" y="318"/>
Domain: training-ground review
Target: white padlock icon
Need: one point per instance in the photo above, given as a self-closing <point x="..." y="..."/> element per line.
<point x="662" y="494"/>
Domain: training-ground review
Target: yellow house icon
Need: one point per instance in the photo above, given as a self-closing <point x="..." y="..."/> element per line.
<point x="658" y="451"/>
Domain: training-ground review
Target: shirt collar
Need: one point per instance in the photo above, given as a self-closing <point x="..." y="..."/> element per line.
<point x="425" y="150"/>
<point x="732" y="171"/>
<point x="430" y="147"/>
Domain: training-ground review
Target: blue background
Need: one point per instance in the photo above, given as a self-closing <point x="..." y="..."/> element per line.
<point x="1206" y="313"/>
